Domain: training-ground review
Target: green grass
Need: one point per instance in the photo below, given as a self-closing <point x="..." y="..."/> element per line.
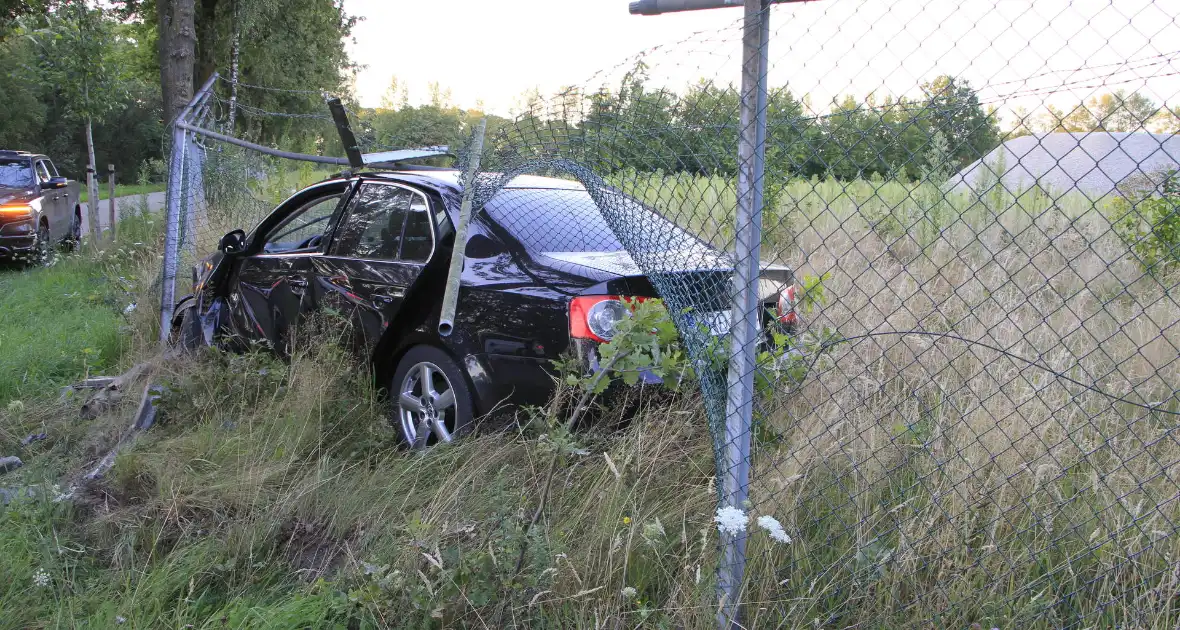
<point x="60" y="323"/>
<point x="123" y="190"/>
<point x="56" y="325"/>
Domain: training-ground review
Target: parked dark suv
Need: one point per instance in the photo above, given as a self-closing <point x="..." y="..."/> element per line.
<point x="543" y="275"/>
<point x="38" y="207"/>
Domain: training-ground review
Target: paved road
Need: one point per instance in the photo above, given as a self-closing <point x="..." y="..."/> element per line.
<point x="155" y="203"/>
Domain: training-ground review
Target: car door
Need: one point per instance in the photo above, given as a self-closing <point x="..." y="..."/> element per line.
<point x="53" y="200"/>
<point x="386" y="237"/>
<point x="274" y="288"/>
<point x="66" y="201"/>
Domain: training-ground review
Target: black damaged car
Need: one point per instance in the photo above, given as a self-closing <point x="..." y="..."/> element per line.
<point x="543" y="276"/>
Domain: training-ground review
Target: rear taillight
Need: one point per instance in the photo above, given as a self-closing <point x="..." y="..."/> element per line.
<point x="787" y="299"/>
<point x="597" y="317"/>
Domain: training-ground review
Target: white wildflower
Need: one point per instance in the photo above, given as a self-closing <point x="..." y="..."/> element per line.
<point x="16" y="406"/>
<point x="41" y="578"/>
<point x="130" y="308"/>
<point x="653" y="532"/>
<point x="774" y="528"/>
<point x="629" y="592"/>
<point x="120" y="619"/>
<point x="731" y="520"/>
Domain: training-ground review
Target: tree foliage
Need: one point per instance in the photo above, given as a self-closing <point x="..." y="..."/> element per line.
<point x="70" y="63"/>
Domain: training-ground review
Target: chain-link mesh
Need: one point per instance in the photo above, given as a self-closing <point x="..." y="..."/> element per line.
<point x="972" y="421"/>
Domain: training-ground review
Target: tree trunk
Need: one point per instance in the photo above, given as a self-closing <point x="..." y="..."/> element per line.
<point x="178" y="44"/>
<point x="207" y="36"/>
<point x="91" y="185"/>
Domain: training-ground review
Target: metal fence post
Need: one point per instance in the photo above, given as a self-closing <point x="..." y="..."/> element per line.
<point x="744" y="333"/>
<point x="111" y="197"/>
<point x="172" y="229"/>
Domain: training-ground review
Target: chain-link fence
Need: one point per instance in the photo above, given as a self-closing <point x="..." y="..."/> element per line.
<point x="969" y="419"/>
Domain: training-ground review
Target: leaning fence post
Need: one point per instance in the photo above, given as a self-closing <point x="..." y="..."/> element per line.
<point x="111" y="197"/>
<point x="172" y="230"/>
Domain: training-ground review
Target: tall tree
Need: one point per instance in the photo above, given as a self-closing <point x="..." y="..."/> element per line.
<point x="176" y="30"/>
<point x="77" y="52"/>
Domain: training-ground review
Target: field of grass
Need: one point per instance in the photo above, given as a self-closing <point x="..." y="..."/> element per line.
<point x="925" y="480"/>
<point x="61" y="323"/>
<point x="123" y="190"/>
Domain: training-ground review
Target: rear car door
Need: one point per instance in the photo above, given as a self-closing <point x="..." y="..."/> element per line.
<point x="386" y="237"/>
<point x="274" y="288"/>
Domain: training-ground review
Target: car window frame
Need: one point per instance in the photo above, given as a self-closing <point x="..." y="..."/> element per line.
<point x="337" y="187"/>
<point x="38" y="165"/>
<point x="284" y="228"/>
<point x="51" y="168"/>
<point x="430" y="220"/>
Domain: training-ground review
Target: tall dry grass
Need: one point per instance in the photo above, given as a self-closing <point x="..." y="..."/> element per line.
<point x="925" y="480"/>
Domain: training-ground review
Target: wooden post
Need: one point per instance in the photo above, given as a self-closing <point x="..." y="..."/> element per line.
<point x="111" y="197"/>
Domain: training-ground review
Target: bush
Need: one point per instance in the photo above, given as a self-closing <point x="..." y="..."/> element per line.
<point x="1148" y="220"/>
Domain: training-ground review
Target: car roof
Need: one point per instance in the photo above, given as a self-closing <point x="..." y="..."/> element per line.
<point x="4" y="153"/>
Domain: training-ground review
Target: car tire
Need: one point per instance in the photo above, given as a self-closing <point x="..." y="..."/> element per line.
<point x="187" y="334"/>
<point x="440" y="413"/>
<point x="42" y="251"/>
<point x="74" y="238"/>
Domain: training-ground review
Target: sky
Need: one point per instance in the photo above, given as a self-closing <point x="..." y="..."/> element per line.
<point x="1017" y="52"/>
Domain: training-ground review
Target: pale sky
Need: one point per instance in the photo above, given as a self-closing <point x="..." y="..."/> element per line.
<point x="1020" y="52"/>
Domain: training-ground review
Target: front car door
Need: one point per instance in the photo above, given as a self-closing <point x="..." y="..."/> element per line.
<point x="62" y="226"/>
<point x="53" y="201"/>
<point x="274" y="287"/>
<point x="386" y="237"/>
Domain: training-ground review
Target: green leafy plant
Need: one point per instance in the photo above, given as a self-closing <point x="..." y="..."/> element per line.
<point x="1149" y="223"/>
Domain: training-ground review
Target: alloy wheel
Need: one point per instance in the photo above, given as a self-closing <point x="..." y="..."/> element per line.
<point x="426" y="406"/>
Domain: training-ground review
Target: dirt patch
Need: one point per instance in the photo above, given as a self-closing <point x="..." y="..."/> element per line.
<point x="313" y="550"/>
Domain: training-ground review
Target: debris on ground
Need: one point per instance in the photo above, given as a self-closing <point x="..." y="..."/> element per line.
<point x="35" y="437"/>
<point x="9" y="464"/>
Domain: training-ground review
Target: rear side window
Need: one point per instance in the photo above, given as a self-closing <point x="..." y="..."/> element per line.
<point x="386" y="222"/>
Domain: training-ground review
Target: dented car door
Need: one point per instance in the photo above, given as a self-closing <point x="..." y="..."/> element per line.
<point x="386" y="237"/>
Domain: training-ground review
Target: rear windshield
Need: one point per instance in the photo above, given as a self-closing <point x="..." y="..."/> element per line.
<point x="551" y="220"/>
<point x="16" y="173"/>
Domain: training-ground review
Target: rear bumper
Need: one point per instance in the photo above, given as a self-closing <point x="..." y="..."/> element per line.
<point x="501" y="379"/>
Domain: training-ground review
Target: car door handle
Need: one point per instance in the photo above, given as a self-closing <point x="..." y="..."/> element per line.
<point x="383" y="299"/>
<point x="299" y="283"/>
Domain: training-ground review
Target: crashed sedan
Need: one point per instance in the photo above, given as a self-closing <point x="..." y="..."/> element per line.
<point x="543" y="276"/>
